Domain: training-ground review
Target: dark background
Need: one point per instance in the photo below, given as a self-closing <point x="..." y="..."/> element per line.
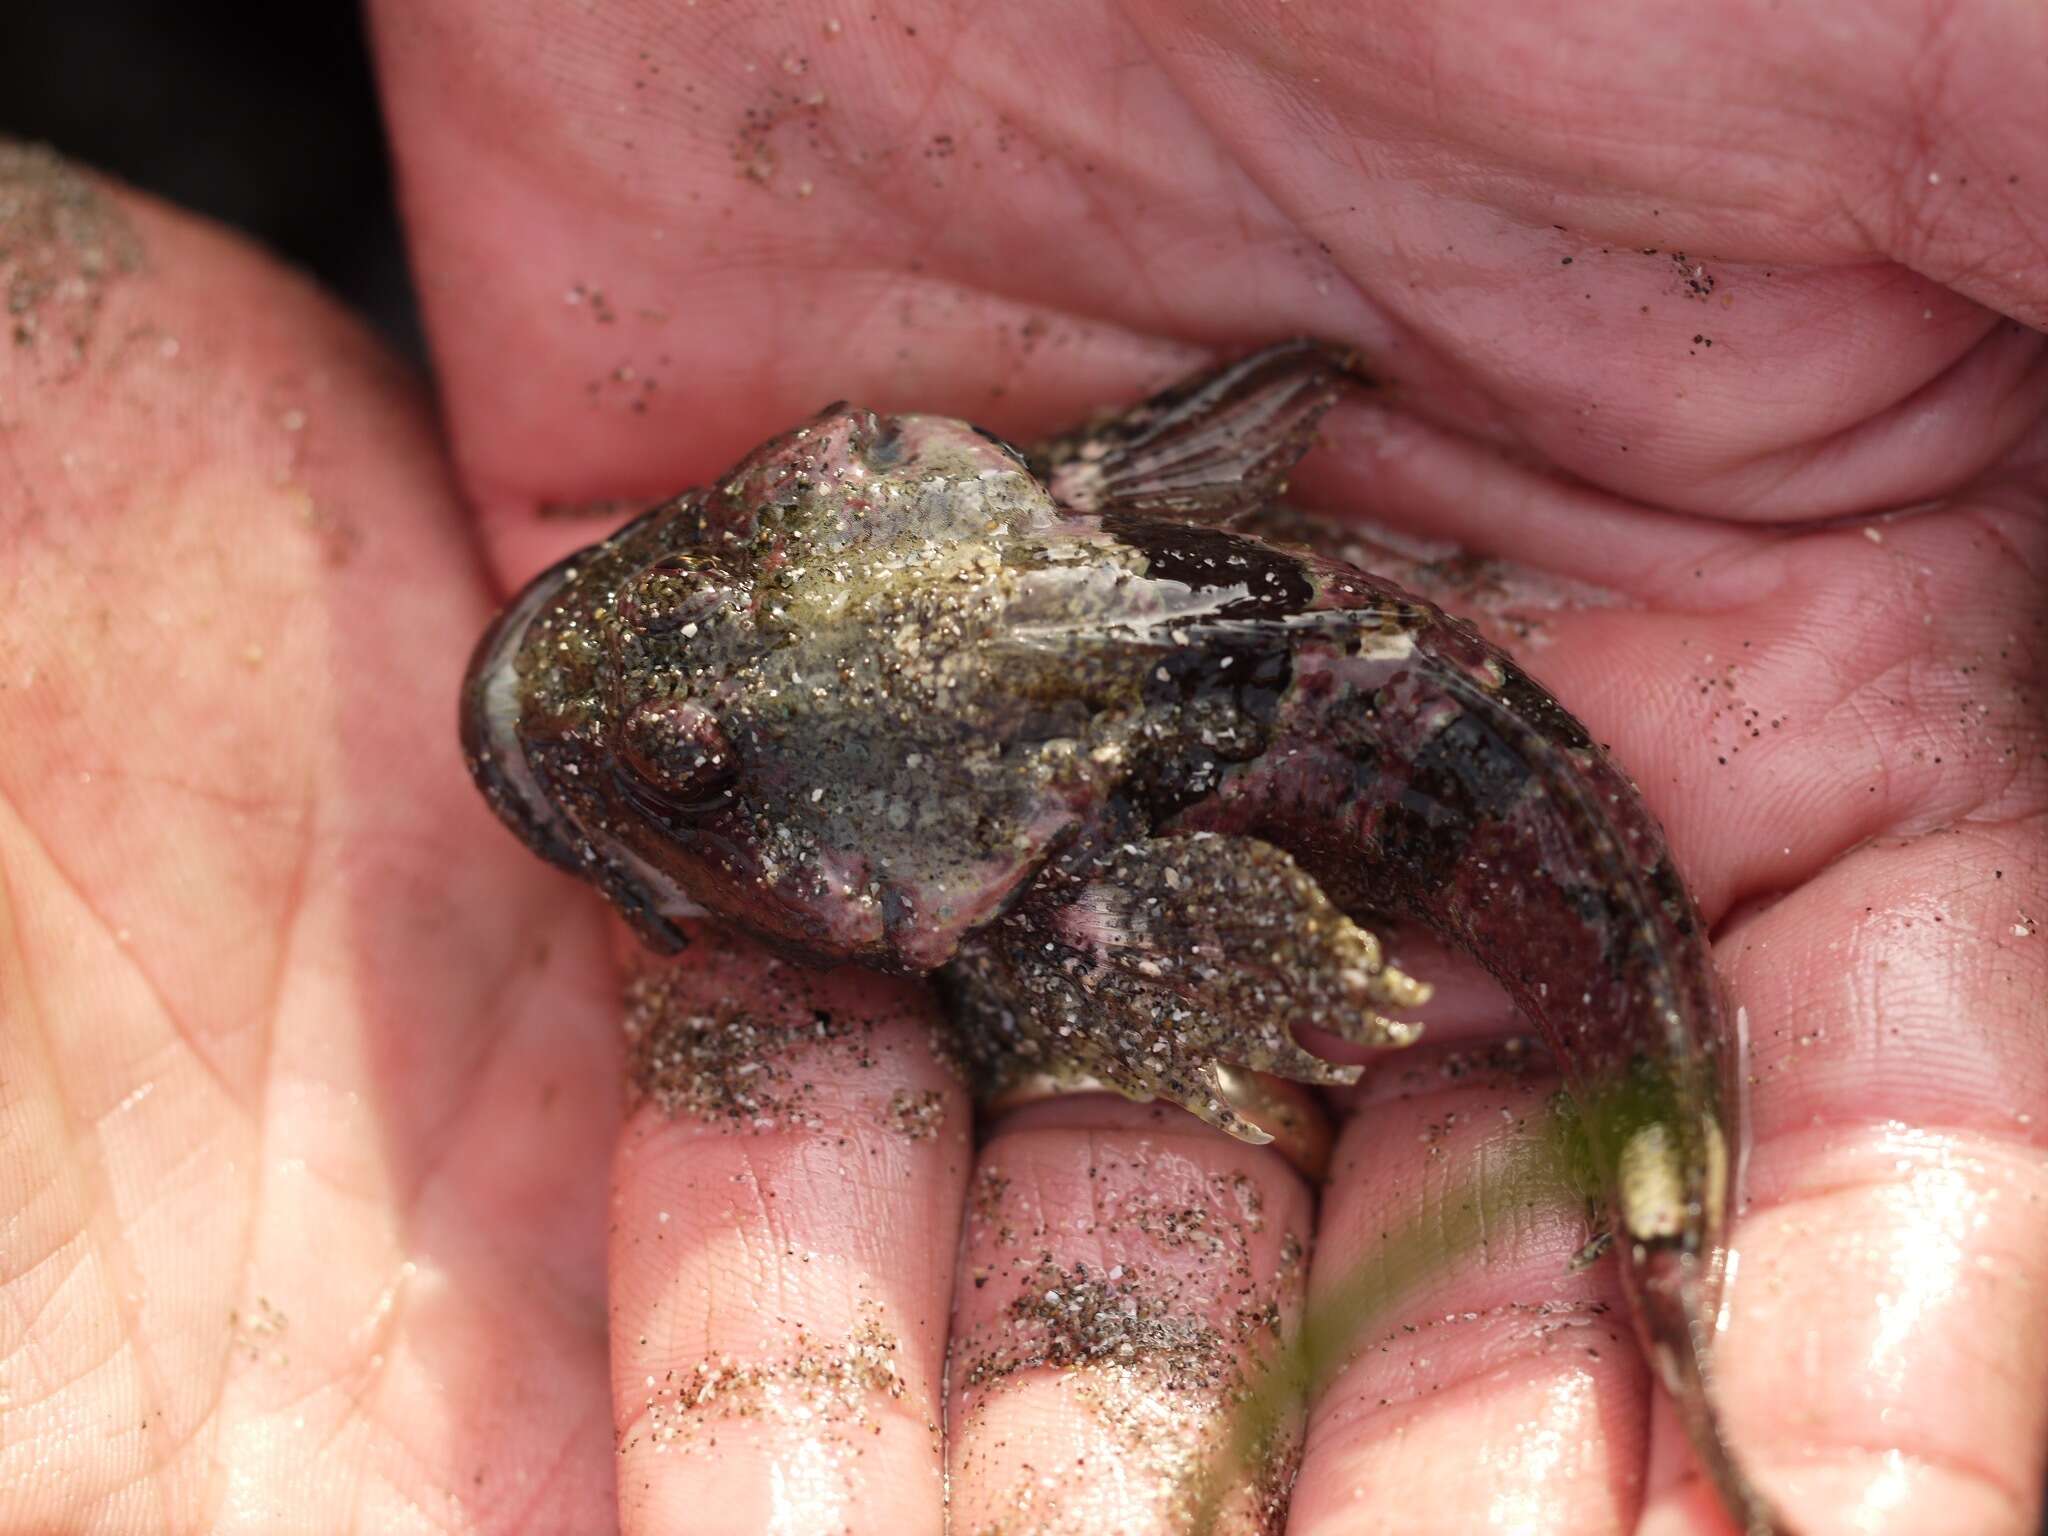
<point x="261" y="116"/>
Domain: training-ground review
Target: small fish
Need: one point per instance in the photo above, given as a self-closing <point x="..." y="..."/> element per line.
<point x="1128" y="780"/>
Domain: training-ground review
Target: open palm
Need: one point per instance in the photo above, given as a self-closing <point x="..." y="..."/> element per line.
<point x="317" y="1207"/>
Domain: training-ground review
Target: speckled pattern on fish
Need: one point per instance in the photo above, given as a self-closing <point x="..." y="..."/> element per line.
<point x="1131" y="782"/>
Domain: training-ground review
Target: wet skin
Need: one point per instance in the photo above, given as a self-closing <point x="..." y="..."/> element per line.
<point x="893" y="692"/>
<point x="319" y="1205"/>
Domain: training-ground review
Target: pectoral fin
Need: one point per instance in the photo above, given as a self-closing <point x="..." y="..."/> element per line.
<point x="1207" y="449"/>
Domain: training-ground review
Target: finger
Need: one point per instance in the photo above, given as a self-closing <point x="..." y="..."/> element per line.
<point x="1474" y="1378"/>
<point x="685" y="236"/>
<point x="1886" y="1363"/>
<point x="1443" y="485"/>
<point x="1123" y="1268"/>
<point x="785" y="1210"/>
<point x="1526" y="244"/>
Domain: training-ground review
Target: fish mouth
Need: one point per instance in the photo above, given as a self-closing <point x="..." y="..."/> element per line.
<point x="506" y="773"/>
<point x="491" y="744"/>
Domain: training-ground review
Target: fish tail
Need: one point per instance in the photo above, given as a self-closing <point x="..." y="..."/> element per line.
<point x="1674" y="1296"/>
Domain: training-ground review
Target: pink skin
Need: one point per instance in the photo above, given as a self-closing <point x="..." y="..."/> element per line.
<point x="294" y="1033"/>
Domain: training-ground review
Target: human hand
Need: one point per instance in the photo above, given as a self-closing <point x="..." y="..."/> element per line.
<point x="318" y="1207"/>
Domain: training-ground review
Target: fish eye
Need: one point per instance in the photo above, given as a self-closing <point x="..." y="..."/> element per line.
<point x="677" y="750"/>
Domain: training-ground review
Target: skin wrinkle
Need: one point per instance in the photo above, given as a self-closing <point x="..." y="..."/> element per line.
<point x="1761" y="482"/>
<point x="1782" y="101"/>
<point x="840" y="254"/>
<point x="1755" y="564"/>
<point x="1996" y="1161"/>
<point x="363" y="1411"/>
<point x="1380" y="1382"/>
<point x="1993" y="526"/>
<point x="740" y="382"/>
<point x="765" y="1237"/>
<point x="377" y="1445"/>
<point x="876" y="1405"/>
<point x="115" y="1011"/>
<point x="766" y="1218"/>
<point x="1778" y="466"/>
<point x="932" y="284"/>
<point x="290" y="912"/>
<point x="409" y="1502"/>
<point x="507" y="502"/>
<point x="114" y="1260"/>
<point x="60" y="1382"/>
<point x="1823" y="1193"/>
<point x="599" y="1424"/>
<point x="1093" y="190"/>
<point x="1861" y="694"/>
<point x="106" y="932"/>
<point x="436" y="1141"/>
<point x="372" y="1370"/>
<point x="928" y="239"/>
<point x="1972" y="1075"/>
<point x="1535" y="508"/>
<point x="1734" y="476"/>
<point x="1333" y="1429"/>
<point x="1951" y="1459"/>
<point x="756" y="1302"/>
<point x="926" y="267"/>
<point x="236" y="1094"/>
<point x="255" y="807"/>
<point x="1930" y="398"/>
<point x="1898" y="688"/>
<point x="119" y="1356"/>
<point x="1990" y="824"/>
<point x="2016" y="1500"/>
<point x="23" y="1321"/>
<point x="1108" y="222"/>
<point x="1931" y="66"/>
